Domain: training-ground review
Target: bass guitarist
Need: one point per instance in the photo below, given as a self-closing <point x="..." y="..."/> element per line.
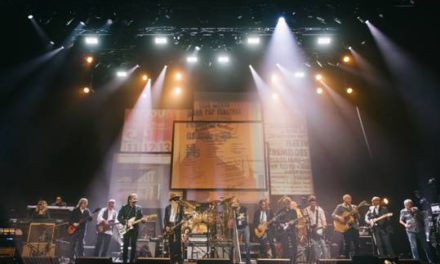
<point x="347" y="213"/>
<point x="127" y="212"/>
<point x="261" y="218"/>
<point x="106" y="219"/>
<point x="174" y="213"/>
<point x="79" y="218"/>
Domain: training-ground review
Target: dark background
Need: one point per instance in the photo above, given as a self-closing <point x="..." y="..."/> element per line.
<point x="54" y="141"/>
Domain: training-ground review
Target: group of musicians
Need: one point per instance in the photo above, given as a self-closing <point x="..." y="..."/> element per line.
<point x="281" y="226"/>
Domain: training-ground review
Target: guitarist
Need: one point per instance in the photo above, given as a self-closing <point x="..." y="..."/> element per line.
<point x="286" y="224"/>
<point x="315" y="216"/>
<point x="105" y="220"/>
<point x="174" y="213"/>
<point x="261" y="216"/>
<point x="127" y="212"/>
<point x="381" y="229"/>
<point x="352" y="234"/>
<point x="79" y="218"/>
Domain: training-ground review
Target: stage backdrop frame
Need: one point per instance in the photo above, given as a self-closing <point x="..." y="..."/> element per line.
<point x="264" y="157"/>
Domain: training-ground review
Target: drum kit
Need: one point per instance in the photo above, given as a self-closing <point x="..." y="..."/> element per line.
<point x="207" y="218"/>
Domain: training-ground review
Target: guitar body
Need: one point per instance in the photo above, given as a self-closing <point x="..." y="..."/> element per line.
<point x="102" y="227"/>
<point x="132" y="222"/>
<point x="71" y="229"/>
<point x="260" y="230"/>
<point x="345" y="225"/>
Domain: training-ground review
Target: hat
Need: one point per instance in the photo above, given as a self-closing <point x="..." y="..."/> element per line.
<point x="174" y="196"/>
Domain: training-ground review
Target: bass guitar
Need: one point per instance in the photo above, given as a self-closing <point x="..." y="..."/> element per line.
<point x="129" y="225"/>
<point x="347" y="219"/>
<point x="71" y="228"/>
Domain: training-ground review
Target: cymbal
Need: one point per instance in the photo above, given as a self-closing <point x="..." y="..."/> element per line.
<point x="191" y="204"/>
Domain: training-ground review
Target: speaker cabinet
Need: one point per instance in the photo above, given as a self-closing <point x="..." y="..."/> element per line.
<point x="213" y="261"/>
<point x="272" y="261"/>
<point x="94" y="260"/>
<point x="152" y="261"/>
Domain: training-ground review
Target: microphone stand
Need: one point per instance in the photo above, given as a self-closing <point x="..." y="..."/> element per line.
<point x="236" y="242"/>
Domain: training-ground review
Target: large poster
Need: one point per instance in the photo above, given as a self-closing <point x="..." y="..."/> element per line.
<point x="150" y="130"/>
<point x="218" y="155"/>
<point x="289" y="153"/>
<point x="226" y="107"/>
<point x="144" y="174"/>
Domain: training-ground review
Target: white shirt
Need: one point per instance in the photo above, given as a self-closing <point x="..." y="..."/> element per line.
<point x="312" y="216"/>
<point x="112" y="215"/>
<point x="263" y="216"/>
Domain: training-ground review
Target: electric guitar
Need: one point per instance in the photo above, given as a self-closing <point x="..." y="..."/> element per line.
<point x="348" y="219"/>
<point x="170" y="231"/>
<point x="374" y="221"/>
<point x="132" y="222"/>
<point x="261" y="229"/>
<point x="285" y="226"/>
<point x="71" y="228"/>
<point x="103" y="226"/>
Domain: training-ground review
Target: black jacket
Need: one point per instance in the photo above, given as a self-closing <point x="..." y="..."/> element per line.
<point x="179" y="215"/>
<point x="269" y="216"/>
<point x="128" y="212"/>
<point x="77" y="217"/>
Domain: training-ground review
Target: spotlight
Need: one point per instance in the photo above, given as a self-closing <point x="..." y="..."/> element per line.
<point x="349" y="90"/>
<point x="144" y="77"/>
<point x="30" y="16"/>
<point x="178" y="76"/>
<point x="191" y="59"/>
<point x="92" y="40"/>
<point x="281" y="19"/>
<point x="385" y="201"/>
<point x="223" y="59"/>
<point x="346" y="59"/>
<point x="367" y="21"/>
<point x="324" y="41"/>
<point x="82" y="23"/>
<point x="144" y="95"/>
<point x="197" y="48"/>
<point x="89" y="59"/>
<point x="299" y="74"/>
<point x="52" y="43"/>
<point x="275" y="96"/>
<point x="121" y="74"/>
<point x="177" y="90"/>
<point x="253" y="40"/>
<point x="318" y="77"/>
<point x="350" y="48"/>
<point x="160" y="40"/>
<point x="319" y="90"/>
<point x="86" y="90"/>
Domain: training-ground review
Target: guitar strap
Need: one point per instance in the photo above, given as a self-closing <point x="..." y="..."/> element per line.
<point x="316" y="216"/>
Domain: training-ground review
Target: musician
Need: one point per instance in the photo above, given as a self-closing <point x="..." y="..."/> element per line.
<point x="41" y="211"/>
<point x="128" y="211"/>
<point x="381" y="229"/>
<point x="412" y="219"/>
<point x="352" y="234"/>
<point x="315" y="216"/>
<point x="174" y="213"/>
<point x="263" y="215"/>
<point x="287" y="231"/>
<point x="106" y="219"/>
<point x="58" y="202"/>
<point x="79" y="218"/>
<point x="241" y="223"/>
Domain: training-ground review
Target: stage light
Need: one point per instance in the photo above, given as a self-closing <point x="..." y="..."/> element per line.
<point x="253" y="40"/>
<point x="386" y="201"/>
<point x="91" y="40"/>
<point x="274" y="78"/>
<point x="318" y="77"/>
<point x="281" y="19"/>
<point x="275" y="96"/>
<point x="145" y="77"/>
<point x="346" y="59"/>
<point x="319" y="90"/>
<point x="350" y="48"/>
<point x="30" y="16"/>
<point x="52" y="43"/>
<point x="86" y="90"/>
<point x="160" y="40"/>
<point x="324" y="41"/>
<point x="89" y="59"/>
<point x="177" y="90"/>
<point x="349" y="90"/>
<point x="223" y="59"/>
<point x="121" y="74"/>
<point x="198" y="48"/>
<point x="178" y="76"/>
<point x="299" y="74"/>
<point x="82" y="23"/>
<point x="191" y="59"/>
<point x="144" y="95"/>
<point x="367" y="21"/>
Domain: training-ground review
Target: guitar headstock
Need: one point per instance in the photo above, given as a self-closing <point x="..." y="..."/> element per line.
<point x="363" y="203"/>
<point x="149" y="217"/>
<point x="96" y="210"/>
